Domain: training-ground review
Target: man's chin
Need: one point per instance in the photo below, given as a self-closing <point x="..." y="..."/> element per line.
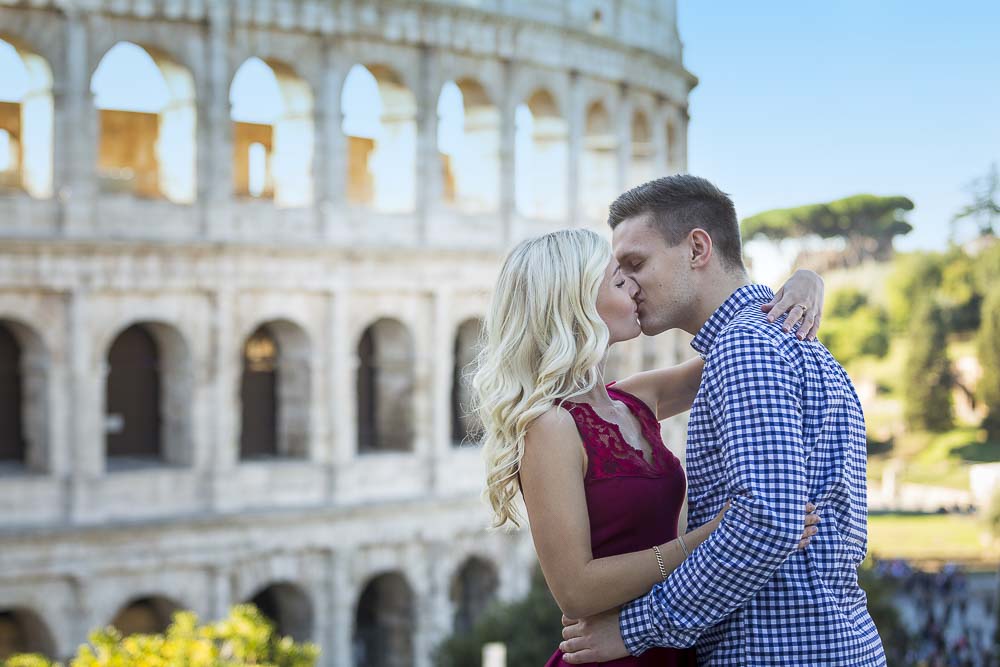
<point x="652" y="328"/>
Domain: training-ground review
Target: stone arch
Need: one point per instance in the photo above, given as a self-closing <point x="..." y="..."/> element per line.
<point x="275" y="391"/>
<point x="148" y="385"/>
<point x="288" y="607"/>
<point x="473" y="589"/>
<point x="150" y="614"/>
<point x="385" y="387"/>
<point x="147" y="144"/>
<point x="385" y="625"/>
<point x="643" y="153"/>
<point x="24" y="631"/>
<point x="380" y="122"/>
<point x="24" y="408"/>
<point x="27" y="120"/>
<point x="464" y="424"/>
<point x="599" y="162"/>
<point x="541" y="158"/>
<point x="273" y="133"/>
<point x="469" y="145"/>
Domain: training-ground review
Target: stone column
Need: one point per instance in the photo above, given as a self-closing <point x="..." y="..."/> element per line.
<point x="428" y="177"/>
<point x="76" y="132"/>
<point x="223" y="378"/>
<point x="623" y="130"/>
<point x="342" y="372"/>
<point x="86" y="459"/>
<point x="331" y="145"/>
<point x="682" y="139"/>
<point x="339" y="637"/>
<point x="220" y="597"/>
<point x="660" y="149"/>
<point x="576" y="117"/>
<point x="507" y="106"/>
<point x="215" y="128"/>
<point x="442" y="362"/>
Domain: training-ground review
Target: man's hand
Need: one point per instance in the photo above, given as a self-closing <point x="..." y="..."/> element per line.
<point x="594" y="639"/>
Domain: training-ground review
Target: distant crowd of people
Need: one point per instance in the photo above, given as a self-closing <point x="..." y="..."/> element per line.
<point x="950" y="615"/>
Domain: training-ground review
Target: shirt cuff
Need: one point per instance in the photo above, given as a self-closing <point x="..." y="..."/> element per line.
<point x="636" y="626"/>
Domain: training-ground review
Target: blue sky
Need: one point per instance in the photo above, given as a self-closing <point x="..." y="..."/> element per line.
<point x="805" y="101"/>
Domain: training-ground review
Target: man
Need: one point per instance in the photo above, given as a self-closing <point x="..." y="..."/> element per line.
<point x="776" y="423"/>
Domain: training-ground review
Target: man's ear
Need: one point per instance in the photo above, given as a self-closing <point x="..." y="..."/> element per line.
<point x="699" y="248"/>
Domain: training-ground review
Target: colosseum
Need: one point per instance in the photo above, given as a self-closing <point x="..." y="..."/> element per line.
<point x="246" y="248"/>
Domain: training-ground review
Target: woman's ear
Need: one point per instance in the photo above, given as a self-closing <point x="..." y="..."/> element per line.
<point x="699" y="247"/>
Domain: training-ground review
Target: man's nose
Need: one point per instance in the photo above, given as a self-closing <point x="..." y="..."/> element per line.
<point x="633" y="289"/>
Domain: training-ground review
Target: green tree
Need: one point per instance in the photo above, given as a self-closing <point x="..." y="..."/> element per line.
<point x="531" y="628"/>
<point x="867" y="223"/>
<point x="245" y="638"/>
<point x="854" y="327"/>
<point x="984" y="209"/>
<point x="928" y="383"/>
<point x="988" y="348"/>
<point x="915" y="277"/>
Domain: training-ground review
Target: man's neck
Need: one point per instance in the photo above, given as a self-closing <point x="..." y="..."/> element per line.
<point x="719" y="288"/>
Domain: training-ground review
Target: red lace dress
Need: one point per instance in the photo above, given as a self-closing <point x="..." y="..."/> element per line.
<point x="633" y="504"/>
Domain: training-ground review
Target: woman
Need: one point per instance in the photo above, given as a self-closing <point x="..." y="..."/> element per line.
<point x="602" y="492"/>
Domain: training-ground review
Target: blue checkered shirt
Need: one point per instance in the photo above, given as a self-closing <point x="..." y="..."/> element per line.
<point x="776" y="423"/>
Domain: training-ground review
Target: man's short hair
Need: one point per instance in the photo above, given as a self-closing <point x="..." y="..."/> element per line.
<point x="676" y="205"/>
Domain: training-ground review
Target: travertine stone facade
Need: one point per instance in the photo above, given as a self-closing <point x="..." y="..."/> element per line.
<point x="82" y="535"/>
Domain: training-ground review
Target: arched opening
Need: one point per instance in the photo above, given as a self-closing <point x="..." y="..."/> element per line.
<point x="145" y="615"/>
<point x="384" y="626"/>
<point x="26" y="121"/>
<point x="147" y="124"/>
<point x="598" y="182"/>
<point x="473" y="589"/>
<point x="385" y="387"/>
<point x="23" y="631"/>
<point x="540" y="158"/>
<point x="275" y="392"/>
<point x="464" y="424"/>
<point x="132" y="421"/>
<point x="380" y="122"/>
<point x="289" y="608"/>
<point x="148" y="397"/>
<point x="469" y="144"/>
<point x="641" y="169"/>
<point x="273" y="133"/>
<point x="13" y="448"/>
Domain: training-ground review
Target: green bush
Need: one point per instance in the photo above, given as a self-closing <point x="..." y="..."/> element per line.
<point x="988" y="350"/>
<point x="531" y="628"/>
<point x="245" y="638"/>
<point x="927" y="403"/>
<point x="915" y="277"/>
<point x="854" y="327"/>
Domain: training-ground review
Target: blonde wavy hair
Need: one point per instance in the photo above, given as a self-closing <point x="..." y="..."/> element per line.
<point x="543" y="342"/>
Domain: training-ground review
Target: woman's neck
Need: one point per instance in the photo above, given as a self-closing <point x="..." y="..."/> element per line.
<point x="598" y="395"/>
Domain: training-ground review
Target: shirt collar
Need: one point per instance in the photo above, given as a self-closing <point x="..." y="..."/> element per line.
<point x="705" y="338"/>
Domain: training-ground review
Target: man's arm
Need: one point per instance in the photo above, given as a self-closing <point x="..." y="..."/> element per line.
<point x="755" y="403"/>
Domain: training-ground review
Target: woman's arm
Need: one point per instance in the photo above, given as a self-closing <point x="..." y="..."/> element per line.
<point x="671" y="391"/>
<point x="552" y="472"/>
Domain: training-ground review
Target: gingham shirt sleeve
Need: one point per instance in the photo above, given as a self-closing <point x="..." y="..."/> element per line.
<point x="756" y="407"/>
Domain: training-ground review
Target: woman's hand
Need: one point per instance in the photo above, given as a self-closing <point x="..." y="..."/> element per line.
<point x="811" y="520"/>
<point x="807" y="534"/>
<point x="802" y="298"/>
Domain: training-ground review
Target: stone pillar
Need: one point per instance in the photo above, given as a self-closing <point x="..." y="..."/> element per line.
<point x="576" y="117"/>
<point x="76" y="132"/>
<point x="682" y="140"/>
<point x="343" y="372"/>
<point x="86" y="460"/>
<point x="339" y="635"/>
<point x="507" y="106"/>
<point x="428" y="177"/>
<point x="223" y="379"/>
<point x="220" y="597"/>
<point x="436" y="607"/>
<point x="442" y="362"/>
<point x="215" y="128"/>
<point x="331" y="144"/>
<point x="623" y="131"/>
<point x="658" y="133"/>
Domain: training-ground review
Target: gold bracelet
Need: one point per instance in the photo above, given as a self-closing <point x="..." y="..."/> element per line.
<point x="684" y="547"/>
<point x="659" y="561"/>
